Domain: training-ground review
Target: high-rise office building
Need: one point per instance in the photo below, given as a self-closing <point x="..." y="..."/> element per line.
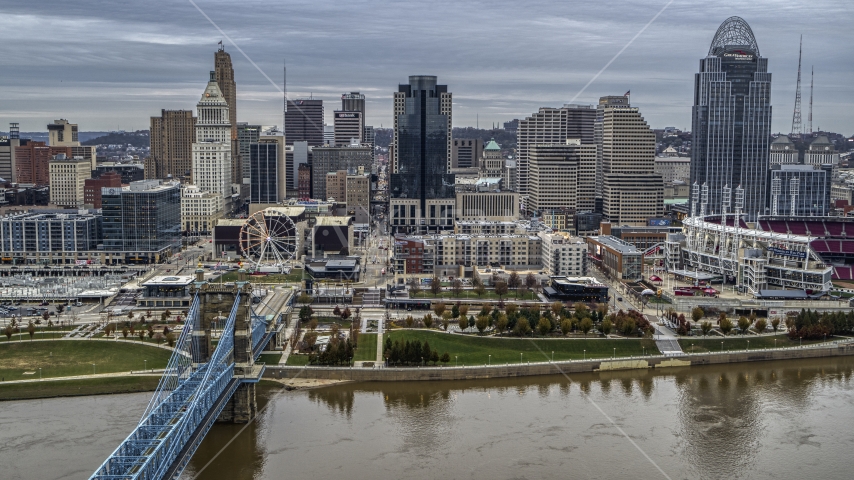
<point x="246" y="135"/>
<point x="802" y="190"/>
<point x="349" y="122"/>
<point x="731" y="125"/>
<point x="492" y="163"/>
<point x="550" y="126"/>
<point x="783" y="152"/>
<point x="561" y="177"/>
<point x="466" y="152"/>
<point x="304" y="121"/>
<point x="212" y="149"/>
<point x="144" y="218"/>
<point x="172" y="136"/>
<point x="225" y="80"/>
<point x="632" y="193"/>
<point x="32" y="161"/>
<point x="268" y="174"/>
<point x="422" y="154"/>
<point x="331" y="159"/>
<point x="7" y="153"/>
<point x="92" y="187"/>
<point x="61" y="133"/>
<point x="67" y="180"/>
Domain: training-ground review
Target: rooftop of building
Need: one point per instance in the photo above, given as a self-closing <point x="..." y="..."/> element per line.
<point x="169" y="280"/>
<point x="492" y="146"/>
<point x="331" y="221"/>
<point x="42" y="216"/>
<point x="616" y="244"/>
<point x="575" y="280"/>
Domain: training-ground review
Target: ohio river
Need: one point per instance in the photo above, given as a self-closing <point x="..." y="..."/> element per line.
<point x="761" y="420"/>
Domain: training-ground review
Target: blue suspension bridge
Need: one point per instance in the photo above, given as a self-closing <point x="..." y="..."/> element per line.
<point x="198" y="387"/>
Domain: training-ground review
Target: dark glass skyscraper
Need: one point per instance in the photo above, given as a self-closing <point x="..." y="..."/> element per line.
<point x="423" y="139"/>
<point x="731" y="125"/>
<point x="144" y="217"/>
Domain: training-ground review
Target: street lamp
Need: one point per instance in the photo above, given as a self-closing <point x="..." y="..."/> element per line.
<point x="146" y="365"/>
<point x="748" y="345"/>
<point x="93" y="369"/>
<point x="455" y="360"/>
<point x="40" y="374"/>
<point x="722" y="347"/>
<point x="615" y="353"/>
<point x="520" y="358"/>
<point x="490" y="360"/>
<point x="585" y="355"/>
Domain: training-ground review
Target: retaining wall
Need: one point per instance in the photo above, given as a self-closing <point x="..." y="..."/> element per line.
<point x="364" y="374"/>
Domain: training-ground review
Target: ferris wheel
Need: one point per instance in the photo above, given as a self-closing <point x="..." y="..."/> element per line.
<point x="268" y="238"/>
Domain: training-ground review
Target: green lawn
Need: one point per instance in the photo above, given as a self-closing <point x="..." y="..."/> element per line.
<point x="488" y="295"/>
<point x="270" y="358"/>
<point x="367" y="350"/>
<point x="294" y="276"/>
<point x="737" y="342"/>
<point x="297" y="360"/>
<point x="69" y="388"/>
<point x="68" y="358"/>
<point x="473" y="350"/>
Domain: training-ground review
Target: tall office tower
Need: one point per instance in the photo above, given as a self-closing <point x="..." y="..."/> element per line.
<point x="492" y="162"/>
<point x="422" y="136"/>
<point x="370" y="138"/>
<point x="212" y="149"/>
<point x="64" y="134"/>
<point x="32" y="161"/>
<point x="67" y="180"/>
<point x="632" y="192"/>
<point x="332" y="159"/>
<point x="437" y="101"/>
<point x="561" y="176"/>
<point x="783" y="152"/>
<point x="246" y="135"/>
<point x="466" y="152"/>
<point x="7" y="153"/>
<point x="550" y="126"/>
<point x="731" y="124"/>
<point x="268" y="176"/>
<point x="823" y="152"/>
<point x="349" y="122"/>
<point x="304" y="122"/>
<point x="143" y="218"/>
<point x="225" y="80"/>
<point x="172" y="136"/>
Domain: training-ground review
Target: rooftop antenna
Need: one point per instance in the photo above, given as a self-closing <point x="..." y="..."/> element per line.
<point x="285" y="91"/>
<point x="797" y="124"/>
<point x="809" y="118"/>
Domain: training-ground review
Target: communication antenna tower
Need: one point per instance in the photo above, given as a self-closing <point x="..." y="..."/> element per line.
<point x="797" y="124"/>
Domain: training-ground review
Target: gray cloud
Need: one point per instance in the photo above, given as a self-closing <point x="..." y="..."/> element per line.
<point x="111" y="64"/>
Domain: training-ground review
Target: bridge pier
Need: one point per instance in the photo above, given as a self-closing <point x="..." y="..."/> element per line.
<point x="242" y="407"/>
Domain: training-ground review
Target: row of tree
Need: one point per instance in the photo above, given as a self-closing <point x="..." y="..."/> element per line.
<point x="412" y="353"/>
<point x="813" y="325"/>
<point x="514" y="282"/>
<point x="337" y="352"/>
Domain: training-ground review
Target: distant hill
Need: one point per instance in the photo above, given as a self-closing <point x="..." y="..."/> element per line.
<point x="139" y="138"/>
<point x="504" y="139"/>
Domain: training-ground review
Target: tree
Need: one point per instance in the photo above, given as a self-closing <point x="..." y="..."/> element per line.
<point x="464" y="309"/>
<point x="150" y="332"/>
<point x="305" y="313"/>
<point x="434" y="356"/>
<point x="170" y="339"/>
<point x="501" y="323"/>
<point x="479" y="289"/>
<point x="457" y="287"/>
<point x="445" y="323"/>
<point x="158" y="337"/>
<point x="304" y="298"/>
<point x="743" y="324"/>
<point x="697" y="313"/>
<point x="455" y="310"/>
<point x="565" y="326"/>
<point x="522" y="327"/>
<point x="439" y="308"/>
<point x="760" y="325"/>
<point x="132" y="330"/>
<point x="586" y="325"/>
<point x="726" y="326"/>
<point x="511" y="308"/>
<point x="471" y="321"/>
<point x="544" y="326"/>
<point x="414" y="287"/>
<point x="556" y="307"/>
<point x="607" y="326"/>
<point x="428" y="320"/>
<point x="775" y="324"/>
<point x="346" y="313"/>
<point x="312" y="324"/>
<point x="435" y="285"/>
<point x="463" y="323"/>
<point x="141" y="335"/>
<point x="514" y="282"/>
<point x="125" y="332"/>
<point x="337" y="311"/>
<point x="706" y="327"/>
<point x="445" y="358"/>
<point x="481" y="323"/>
<point x="530" y="281"/>
<point x="501" y="290"/>
<point x="8" y="331"/>
<point x="45" y="316"/>
<point x="130" y="316"/>
<point x="31" y="329"/>
<point x="60" y="308"/>
<point x="409" y="321"/>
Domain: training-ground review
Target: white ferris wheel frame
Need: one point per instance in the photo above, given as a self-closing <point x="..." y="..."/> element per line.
<point x="261" y="247"/>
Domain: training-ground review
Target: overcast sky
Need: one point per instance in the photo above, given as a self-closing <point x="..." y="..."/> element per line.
<point x="109" y="64"/>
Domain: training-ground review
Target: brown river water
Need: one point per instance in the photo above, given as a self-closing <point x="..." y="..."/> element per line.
<point x="761" y="420"/>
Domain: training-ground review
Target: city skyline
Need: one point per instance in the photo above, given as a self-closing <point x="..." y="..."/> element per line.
<point x="489" y="58"/>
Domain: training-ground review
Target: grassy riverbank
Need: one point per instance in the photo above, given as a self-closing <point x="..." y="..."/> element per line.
<point x="70" y="388"/>
<point x="22" y="360"/>
<point x="735" y="343"/>
<point x="473" y="350"/>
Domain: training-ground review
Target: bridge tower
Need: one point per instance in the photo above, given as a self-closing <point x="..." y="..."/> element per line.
<point x="215" y="305"/>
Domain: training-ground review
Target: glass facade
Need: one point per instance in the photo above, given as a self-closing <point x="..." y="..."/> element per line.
<point x="732" y="122"/>
<point x="422" y="150"/>
<point x="264" y="174"/>
<point x="144" y="218"/>
<point x="806" y="186"/>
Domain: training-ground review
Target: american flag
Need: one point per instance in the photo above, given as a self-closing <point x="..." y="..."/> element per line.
<point x="628" y="93"/>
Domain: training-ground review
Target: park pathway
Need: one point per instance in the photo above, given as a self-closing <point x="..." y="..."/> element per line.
<point x="666" y="341"/>
<point x="380" y="329"/>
